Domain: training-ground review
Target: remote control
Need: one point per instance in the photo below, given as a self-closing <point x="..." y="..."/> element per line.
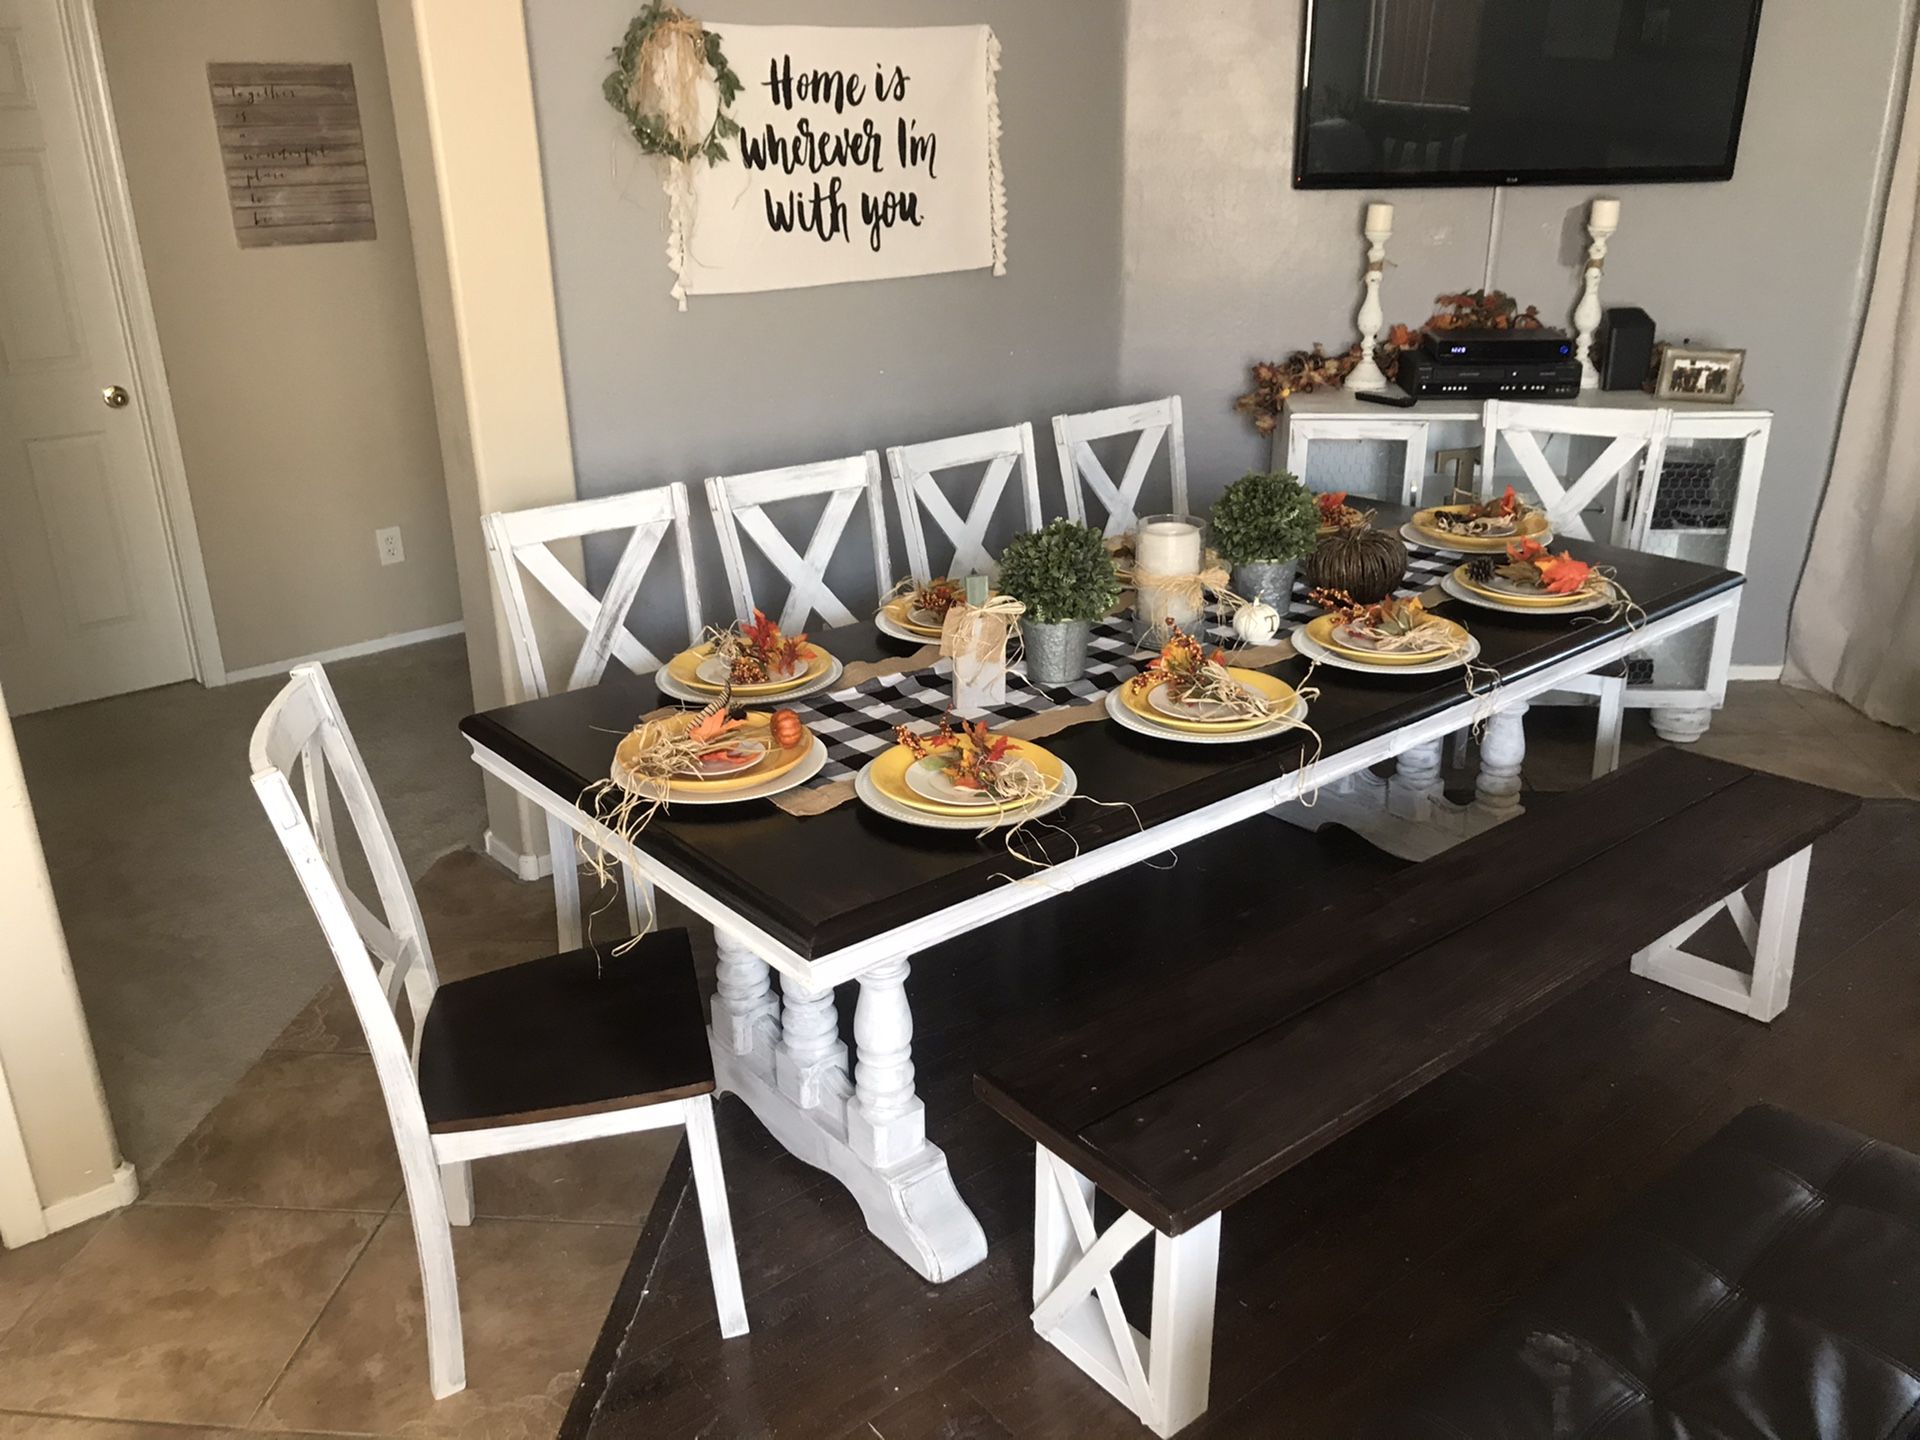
<point x="1398" y="399"/>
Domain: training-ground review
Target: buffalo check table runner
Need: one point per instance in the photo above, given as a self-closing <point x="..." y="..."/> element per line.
<point x="857" y="723"/>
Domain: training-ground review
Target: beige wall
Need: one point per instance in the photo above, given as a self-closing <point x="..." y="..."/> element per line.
<point x="299" y="373"/>
<point x="46" y="1058"/>
<point x="463" y="96"/>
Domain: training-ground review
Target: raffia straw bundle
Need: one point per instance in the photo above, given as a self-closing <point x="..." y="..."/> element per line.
<point x="669" y="80"/>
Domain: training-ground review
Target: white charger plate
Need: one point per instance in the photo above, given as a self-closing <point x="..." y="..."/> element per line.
<point x="1129" y="719"/>
<point x="1486" y="602"/>
<point x="789" y="780"/>
<point x="871" y="796"/>
<point x="1312" y="649"/>
<point x="830" y="677"/>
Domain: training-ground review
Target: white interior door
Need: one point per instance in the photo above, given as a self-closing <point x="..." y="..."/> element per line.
<point x="89" y="600"/>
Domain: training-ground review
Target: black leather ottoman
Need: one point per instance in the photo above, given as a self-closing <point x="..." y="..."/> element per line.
<point x="1770" y="1286"/>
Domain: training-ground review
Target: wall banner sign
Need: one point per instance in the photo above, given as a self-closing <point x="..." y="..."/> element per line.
<point x="295" y="160"/>
<point x="863" y="154"/>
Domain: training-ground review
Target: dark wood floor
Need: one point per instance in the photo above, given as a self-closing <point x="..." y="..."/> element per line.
<point x="1339" y="1282"/>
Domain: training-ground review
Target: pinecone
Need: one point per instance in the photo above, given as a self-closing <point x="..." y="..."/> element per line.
<point x="1480" y="571"/>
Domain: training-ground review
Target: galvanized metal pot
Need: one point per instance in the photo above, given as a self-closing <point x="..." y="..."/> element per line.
<point x="1268" y="580"/>
<point x="1056" y="653"/>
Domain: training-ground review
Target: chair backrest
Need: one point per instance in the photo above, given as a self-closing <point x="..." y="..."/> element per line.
<point x="1152" y="423"/>
<point x="518" y="541"/>
<point x="1637" y="444"/>
<point x="380" y="955"/>
<point x="739" y="503"/>
<point x="916" y="485"/>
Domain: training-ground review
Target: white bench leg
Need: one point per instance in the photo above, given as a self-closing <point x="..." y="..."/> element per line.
<point x="456" y="1184"/>
<point x="1771" y="938"/>
<point x="641" y="916"/>
<point x="1162" y="1376"/>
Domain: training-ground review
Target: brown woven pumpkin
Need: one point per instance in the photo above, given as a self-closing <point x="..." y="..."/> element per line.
<point x="1366" y="563"/>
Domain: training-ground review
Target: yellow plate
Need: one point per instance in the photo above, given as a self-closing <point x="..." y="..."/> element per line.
<point x="1531" y="528"/>
<point x="1278" y="692"/>
<point x="1321" y="631"/>
<point x="889" y="775"/>
<point x="685" y="667"/>
<point x="899" y="608"/>
<point x="776" y="762"/>
<point x="1541" y="602"/>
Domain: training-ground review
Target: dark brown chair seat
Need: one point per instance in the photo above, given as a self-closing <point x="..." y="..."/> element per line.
<point x="573" y="1034"/>
<point x="1770" y="1286"/>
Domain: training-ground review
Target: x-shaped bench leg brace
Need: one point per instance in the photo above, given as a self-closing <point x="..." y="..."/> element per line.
<point x="1771" y="938"/>
<point x="1161" y="1376"/>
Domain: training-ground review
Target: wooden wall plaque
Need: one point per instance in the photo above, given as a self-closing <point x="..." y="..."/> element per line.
<point x="295" y="159"/>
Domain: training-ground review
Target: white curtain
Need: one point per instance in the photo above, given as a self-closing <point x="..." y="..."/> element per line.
<point x="1856" y="620"/>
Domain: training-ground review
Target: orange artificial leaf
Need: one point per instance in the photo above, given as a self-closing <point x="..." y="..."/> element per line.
<point x="1562" y="574"/>
<point x="714" y="724"/>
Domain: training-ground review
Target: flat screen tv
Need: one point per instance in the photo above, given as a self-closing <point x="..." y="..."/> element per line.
<point x="1521" y="92"/>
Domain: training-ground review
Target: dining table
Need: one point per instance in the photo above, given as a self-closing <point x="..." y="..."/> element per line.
<point x="803" y="903"/>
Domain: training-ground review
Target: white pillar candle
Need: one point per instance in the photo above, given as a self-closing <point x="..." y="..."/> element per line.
<point x="1379" y="217"/>
<point x="1167" y="546"/>
<point x="1605" y="215"/>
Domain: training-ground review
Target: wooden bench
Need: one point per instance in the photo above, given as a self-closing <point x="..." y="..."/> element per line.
<point x="1189" y="1096"/>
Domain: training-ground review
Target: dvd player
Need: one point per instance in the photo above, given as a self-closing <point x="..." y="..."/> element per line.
<point x="1425" y="378"/>
<point x="1496" y="347"/>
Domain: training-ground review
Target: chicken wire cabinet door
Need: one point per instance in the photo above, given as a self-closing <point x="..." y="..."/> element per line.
<point x="1374" y="459"/>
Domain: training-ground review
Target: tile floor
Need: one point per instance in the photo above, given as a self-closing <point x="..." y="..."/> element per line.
<point x="265" y="1282"/>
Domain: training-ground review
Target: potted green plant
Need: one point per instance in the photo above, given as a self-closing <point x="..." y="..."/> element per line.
<point x="1262" y="526"/>
<point x="1065" y="577"/>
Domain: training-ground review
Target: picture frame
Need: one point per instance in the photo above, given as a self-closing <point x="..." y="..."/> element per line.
<point x="1694" y="373"/>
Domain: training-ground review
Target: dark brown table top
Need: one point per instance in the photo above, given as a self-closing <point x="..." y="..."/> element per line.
<point x="821" y="883"/>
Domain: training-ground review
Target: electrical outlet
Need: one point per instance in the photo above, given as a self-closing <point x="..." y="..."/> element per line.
<point x="387" y="542"/>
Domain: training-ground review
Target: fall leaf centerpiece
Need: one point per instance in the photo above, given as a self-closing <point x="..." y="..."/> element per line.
<point x="976" y="763"/>
<point x="1394" y="627"/>
<point x="758" y="654"/>
<point x="1198" y="679"/>
<point x="1533" y="572"/>
<point x="1487" y="519"/>
<point x="1335" y="513"/>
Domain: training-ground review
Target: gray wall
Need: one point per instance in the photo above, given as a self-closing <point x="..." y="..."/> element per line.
<point x="1227" y="264"/>
<point x="742" y="383"/>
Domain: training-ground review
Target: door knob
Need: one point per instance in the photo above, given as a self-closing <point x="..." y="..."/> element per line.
<point x="115" y="396"/>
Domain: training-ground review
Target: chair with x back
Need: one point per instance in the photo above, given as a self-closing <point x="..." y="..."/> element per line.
<point x="740" y="505"/>
<point x="916" y="473"/>
<point x="546" y="1053"/>
<point x="518" y="545"/>
<point x="1151" y="424"/>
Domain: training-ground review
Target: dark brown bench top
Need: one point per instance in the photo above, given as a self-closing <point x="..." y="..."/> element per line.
<point x="1180" y="1101"/>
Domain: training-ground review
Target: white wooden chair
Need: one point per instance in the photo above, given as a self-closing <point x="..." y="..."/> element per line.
<point x="1155" y="422"/>
<point x="1637" y="446"/>
<point x="739" y="503"/>
<point x="517" y="546"/>
<point x="569" y="1048"/>
<point x="916" y="485"/>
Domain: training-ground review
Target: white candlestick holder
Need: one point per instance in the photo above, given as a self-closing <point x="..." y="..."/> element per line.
<point x="1586" y="315"/>
<point x="1367" y="375"/>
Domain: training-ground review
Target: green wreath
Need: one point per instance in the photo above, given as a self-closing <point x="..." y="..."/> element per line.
<point x="654" y="131"/>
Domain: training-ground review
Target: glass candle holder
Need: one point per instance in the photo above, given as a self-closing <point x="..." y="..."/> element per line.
<point x="1168" y="553"/>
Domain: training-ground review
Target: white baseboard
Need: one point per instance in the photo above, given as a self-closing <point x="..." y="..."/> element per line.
<point x="349" y="652"/>
<point x="122" y="1190"/>
<point x="1755" y="672"/>
<point x="527" y="867"/>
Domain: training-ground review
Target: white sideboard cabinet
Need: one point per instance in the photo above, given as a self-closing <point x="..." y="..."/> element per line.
<point x="1699" y="506"/>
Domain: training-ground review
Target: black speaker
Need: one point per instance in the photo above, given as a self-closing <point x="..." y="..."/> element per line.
<point x="1625" y="347"/>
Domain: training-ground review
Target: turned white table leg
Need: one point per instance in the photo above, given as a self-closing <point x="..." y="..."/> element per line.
<point x="810" y="1065"/>
<point x="1416" y="782"/>
<point x="887" y="1122"/>
<point x="746" y="1016"/>
<point x="1503" y="755"/>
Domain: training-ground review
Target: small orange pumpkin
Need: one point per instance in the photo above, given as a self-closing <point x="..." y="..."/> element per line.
<point x="787" y="729"/>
